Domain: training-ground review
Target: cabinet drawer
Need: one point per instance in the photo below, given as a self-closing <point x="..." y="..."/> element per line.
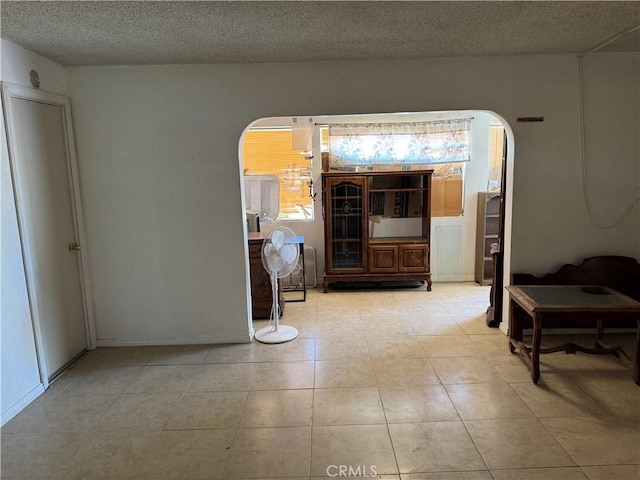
<point x="413" y="258"/>
<point x="383" y="259"/>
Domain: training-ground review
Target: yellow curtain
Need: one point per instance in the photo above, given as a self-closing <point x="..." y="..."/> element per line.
<point x="496" y="147"/>
<point x="269" y="151"/>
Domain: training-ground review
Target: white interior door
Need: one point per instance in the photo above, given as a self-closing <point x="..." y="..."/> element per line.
<point x="48" y="229"/>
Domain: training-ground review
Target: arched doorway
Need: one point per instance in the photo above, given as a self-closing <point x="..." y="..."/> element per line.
<point x="457" y="263"/>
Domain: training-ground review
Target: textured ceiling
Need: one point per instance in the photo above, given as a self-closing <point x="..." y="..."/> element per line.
<point x="166" y="32"/>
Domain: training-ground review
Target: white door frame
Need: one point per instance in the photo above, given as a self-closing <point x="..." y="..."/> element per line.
<point x="11" y="91"/>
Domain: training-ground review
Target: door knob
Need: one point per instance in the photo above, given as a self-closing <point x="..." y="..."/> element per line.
<point x="74" y="247"/>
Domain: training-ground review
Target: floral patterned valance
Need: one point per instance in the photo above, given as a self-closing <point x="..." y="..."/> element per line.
<point x="355" y="144"/>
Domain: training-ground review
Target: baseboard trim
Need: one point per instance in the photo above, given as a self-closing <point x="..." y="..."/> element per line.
<point x="17" y="407"/>
<point x="143" y="342"/>
<point x="464" y="278"/>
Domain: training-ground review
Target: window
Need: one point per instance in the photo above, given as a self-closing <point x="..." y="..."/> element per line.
<point x="441" y="145"/>
<point x="402" y="144"/>
<point x="269" y="151"/>
<point x="447" y="190"/>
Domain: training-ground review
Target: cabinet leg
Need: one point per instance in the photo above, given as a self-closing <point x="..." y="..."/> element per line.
<point x="325" y="287"/>
<point x="429" y="285"/>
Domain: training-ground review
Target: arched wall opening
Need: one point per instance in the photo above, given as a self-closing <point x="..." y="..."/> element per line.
<point x="463" y="226"/>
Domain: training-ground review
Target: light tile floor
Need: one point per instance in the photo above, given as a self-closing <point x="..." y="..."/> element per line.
<point x="401" y="384"/>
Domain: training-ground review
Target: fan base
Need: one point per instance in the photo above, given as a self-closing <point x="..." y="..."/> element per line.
<point x="285" y="333"/>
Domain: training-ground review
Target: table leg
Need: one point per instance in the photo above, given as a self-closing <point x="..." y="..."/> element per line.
<point x="535" y="347"/>
<point x="515" y="327"/>
<point x="600" y="329"/>
<point x="636" y="367"/>
<point x="599" y="334"/>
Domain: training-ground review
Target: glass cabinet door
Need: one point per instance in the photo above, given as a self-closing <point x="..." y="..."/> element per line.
<point x="346" y="198"/>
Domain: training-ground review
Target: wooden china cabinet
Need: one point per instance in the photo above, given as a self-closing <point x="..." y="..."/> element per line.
<point x="377" y="226"/>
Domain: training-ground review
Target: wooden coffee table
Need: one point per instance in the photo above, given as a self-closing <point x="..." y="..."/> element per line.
<point x="547" y="305"/>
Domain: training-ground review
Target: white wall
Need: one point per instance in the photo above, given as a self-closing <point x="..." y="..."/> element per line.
<point x="20" y="375"/>
<point x="611" y="99"/>
<point x="17" y="62"/>
<point x="158" y="154"/>
<point x="550" y="207"/>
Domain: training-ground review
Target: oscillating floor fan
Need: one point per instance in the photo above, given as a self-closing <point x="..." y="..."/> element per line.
<point x="279" y="258"/>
